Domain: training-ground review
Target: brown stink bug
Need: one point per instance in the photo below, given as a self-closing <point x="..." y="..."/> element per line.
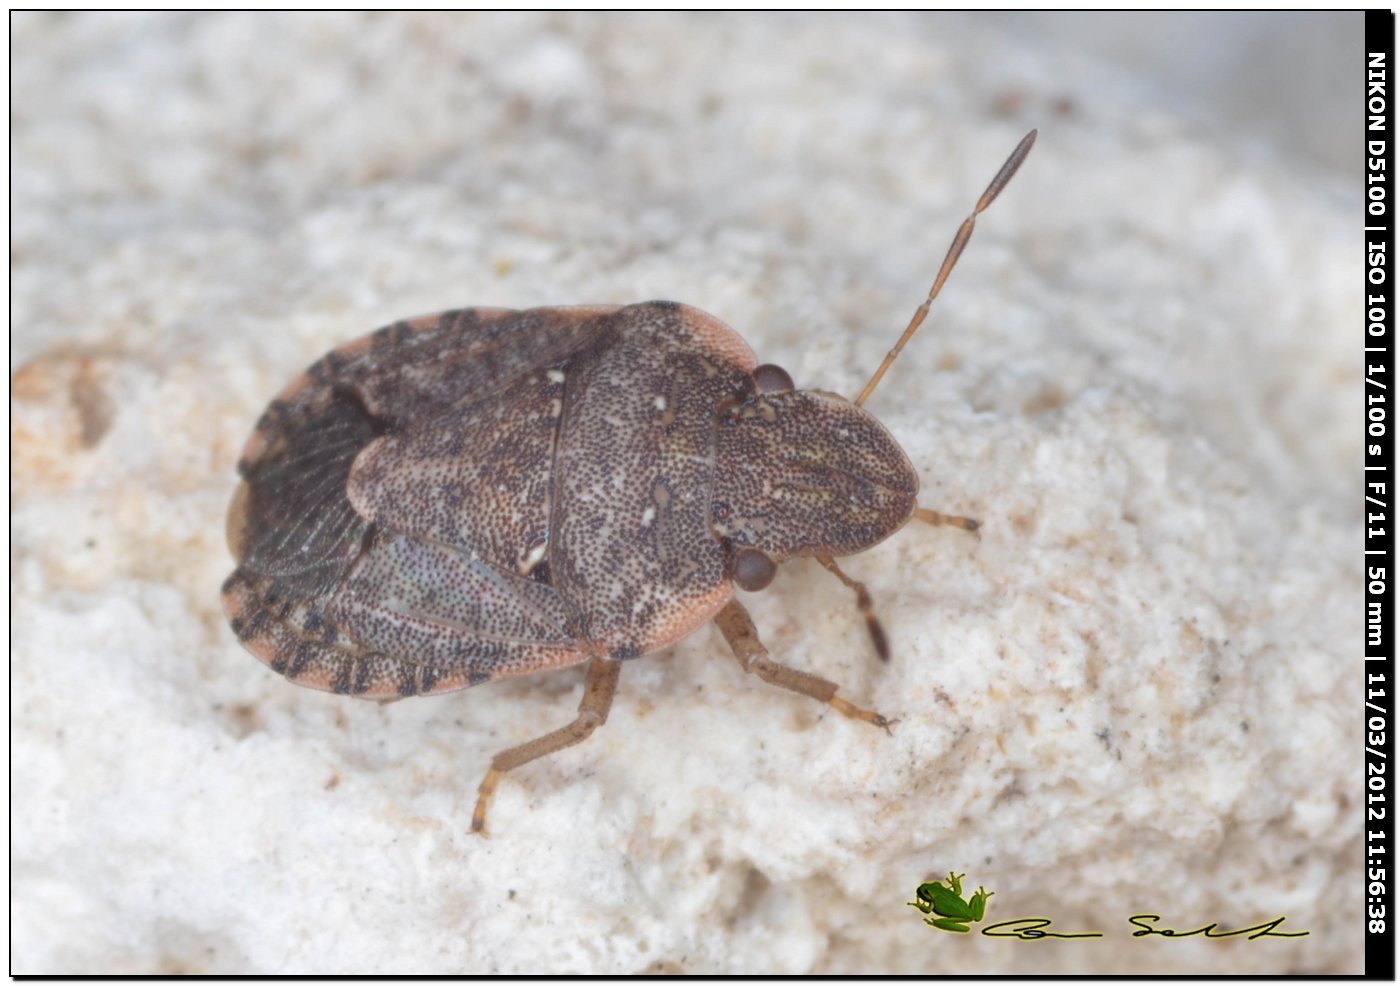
<point x="488" y="492"/>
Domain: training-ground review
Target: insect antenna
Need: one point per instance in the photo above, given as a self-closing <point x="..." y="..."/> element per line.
<point x="950" y="261"/>
<point x="935" y="518"/>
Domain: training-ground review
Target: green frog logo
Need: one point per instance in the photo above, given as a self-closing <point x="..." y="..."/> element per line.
<point x="945" y="906"/>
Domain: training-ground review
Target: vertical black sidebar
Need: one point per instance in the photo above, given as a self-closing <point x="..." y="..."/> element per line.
<point x="1378" y="560"/>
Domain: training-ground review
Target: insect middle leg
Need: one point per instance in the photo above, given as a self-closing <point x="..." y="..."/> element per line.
<point x="738" y="629"/>
<point x="598" y="689"/>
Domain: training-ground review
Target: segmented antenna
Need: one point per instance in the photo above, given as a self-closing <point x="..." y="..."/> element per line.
<point x="950" y="261"/>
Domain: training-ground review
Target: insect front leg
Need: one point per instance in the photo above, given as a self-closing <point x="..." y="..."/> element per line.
<point x="867" y="608"/>
<point x="738" y="629"/>
<point x="598" y="689"/>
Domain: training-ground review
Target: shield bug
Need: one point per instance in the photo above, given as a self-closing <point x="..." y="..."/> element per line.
<point x="489" y="492"/>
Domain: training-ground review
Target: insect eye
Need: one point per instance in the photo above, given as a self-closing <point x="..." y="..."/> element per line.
<point x="722" y="511"/>
<point x="772" y="379"/>
<point x="752" y="569"/>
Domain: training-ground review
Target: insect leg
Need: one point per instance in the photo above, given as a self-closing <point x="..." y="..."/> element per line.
<point x="598" y="689"/>
<point x="872" y="623"/>
<point x="935" y="518"/>
<point x="738" y="629"/>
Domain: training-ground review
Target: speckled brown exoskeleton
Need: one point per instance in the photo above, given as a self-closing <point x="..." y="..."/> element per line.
<point x="489" y="492"/>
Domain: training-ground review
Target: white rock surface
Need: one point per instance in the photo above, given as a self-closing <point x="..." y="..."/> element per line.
<point x="1136" y="692"/>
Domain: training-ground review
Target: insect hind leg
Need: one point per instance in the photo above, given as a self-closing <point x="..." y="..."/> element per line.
<point x="598" y="690"/>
